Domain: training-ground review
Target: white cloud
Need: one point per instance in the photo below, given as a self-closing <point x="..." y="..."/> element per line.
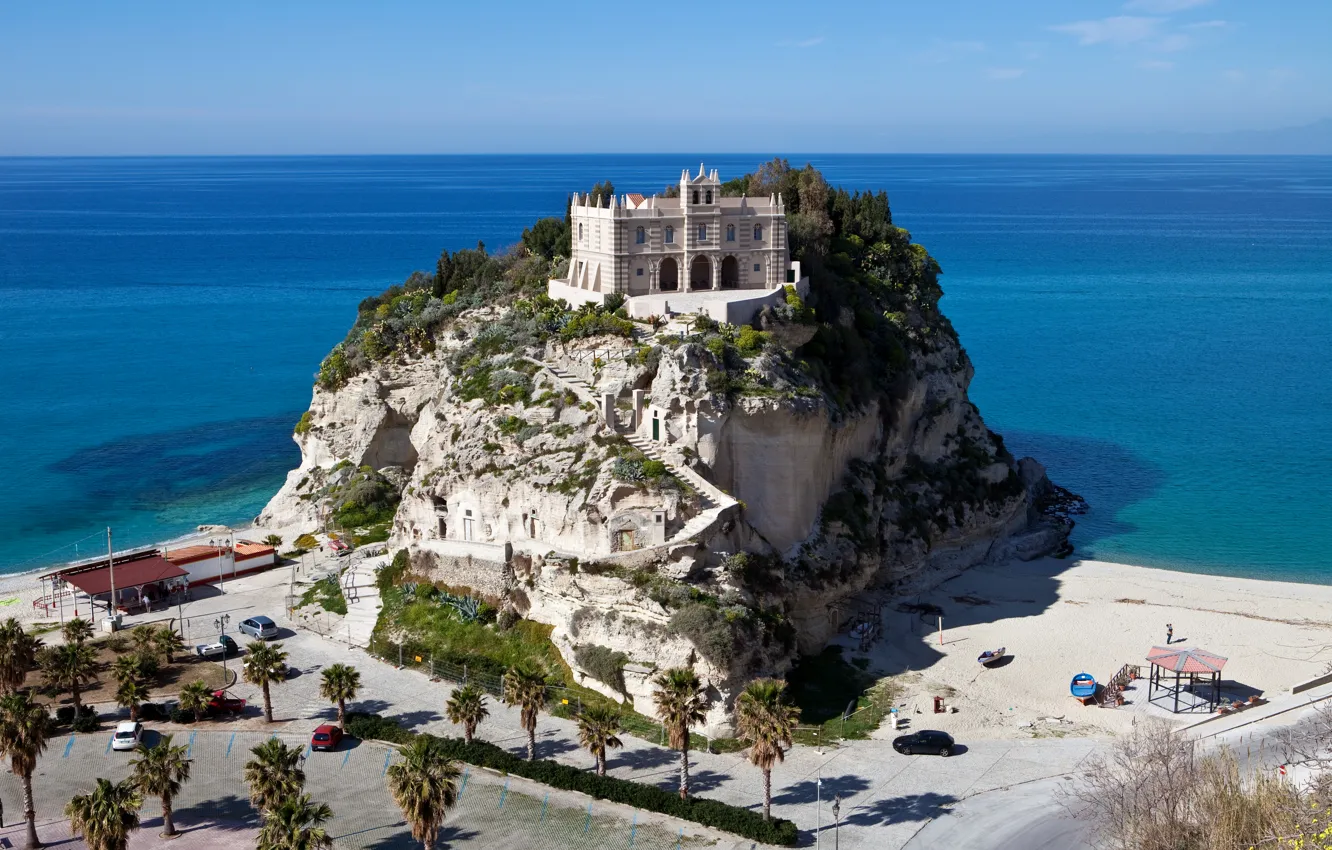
<point x="809" y="42"/>
<point x="1122" y="29"/>
<point x="1004" y="73"/>
<point x="1164" y="7"/>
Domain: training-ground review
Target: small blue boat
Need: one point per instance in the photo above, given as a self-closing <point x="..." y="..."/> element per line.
<point x="1083" y="686"/>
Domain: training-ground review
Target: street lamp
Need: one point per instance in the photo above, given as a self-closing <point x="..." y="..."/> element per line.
<point x="220" y="623"/>
<point x="836" y="809"/>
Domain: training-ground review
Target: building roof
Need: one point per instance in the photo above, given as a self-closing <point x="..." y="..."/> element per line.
<point x="1186" y="660"/>
<point x="190" y="554"/>
<point x="128" y="574"/>
<point x="246" y="549"/>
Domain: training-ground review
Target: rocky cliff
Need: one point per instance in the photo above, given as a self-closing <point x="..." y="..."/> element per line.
<point x="674" y="492"/>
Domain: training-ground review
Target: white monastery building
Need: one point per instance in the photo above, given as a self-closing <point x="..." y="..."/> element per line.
<point x="698" y="252"/>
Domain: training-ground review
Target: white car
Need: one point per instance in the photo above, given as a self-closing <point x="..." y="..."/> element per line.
<point x="128" y="734"/>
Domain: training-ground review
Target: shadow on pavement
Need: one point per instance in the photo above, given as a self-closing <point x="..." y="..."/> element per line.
<point x="645" y="759"/>
<point x="807" y="791"/>
<point x="890" y="810"/>
<point x="229" y="812"/>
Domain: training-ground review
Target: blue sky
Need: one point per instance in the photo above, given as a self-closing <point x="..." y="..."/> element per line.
<point x="441" y="77"/>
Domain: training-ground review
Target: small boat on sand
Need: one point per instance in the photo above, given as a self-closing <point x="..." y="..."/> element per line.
<point x="990" y="656"/>
<point x="1083" y="686"/>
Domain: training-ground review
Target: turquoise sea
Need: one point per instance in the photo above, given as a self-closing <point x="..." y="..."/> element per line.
<point x="1158" y="331"/>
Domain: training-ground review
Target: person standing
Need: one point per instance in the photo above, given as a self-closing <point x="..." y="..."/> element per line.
<point x="1170" y="633"/>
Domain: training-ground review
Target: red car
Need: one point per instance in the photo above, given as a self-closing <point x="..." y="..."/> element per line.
<point x="326" y="737"/>
<point x="221" y="703"/>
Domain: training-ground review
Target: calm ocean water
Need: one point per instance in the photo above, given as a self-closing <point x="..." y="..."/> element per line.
<point x="1158" y="331"/>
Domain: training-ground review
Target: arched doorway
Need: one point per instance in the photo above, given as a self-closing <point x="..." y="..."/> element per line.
<point x="700" y="273"/>
<point x="730" y="273"/>
<point x="669" y="275"/>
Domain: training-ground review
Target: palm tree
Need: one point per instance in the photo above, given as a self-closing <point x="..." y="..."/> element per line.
<point x="131" y="695"/>
<point x="296" y="824"/>
<point x="680" y="704"/>
<point x="145" y="642"/>
<point x="425" y="786"/>
<point x="273" y="774"/>
<point x="766" y="720"/>
<point x="167" y="642"/>
<point x="274" y="540"/>
<point x="106" y="817"/>
<point x="161" y="771"/>
<point x="18" y="653"/>
<point x="266" y="665"/>
<point x="77" y="630"/>
<point x="526" y="690"/>
<point x="339" y="683"/>
<point x="467" y="706"/>
<point x="127" y="668"/>
<point x="597" y="725"/>
<point x="24" y="730"/>
<point x="68" y="667"/>
<point x="195" y="697"/>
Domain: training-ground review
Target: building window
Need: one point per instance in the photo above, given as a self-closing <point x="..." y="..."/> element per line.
<point x="702" y="233"/>
<point x="730" y="233"/>
<point x="580" y="232"/>
<point x="708" y="196"/>
<point x="640" y="272"/>
<point x="757" y="267"/>
<point x="695" y="196"/>
<point x="758" y="233"/>
<point x="670" y="234"/>
<point x="640" y="236"/>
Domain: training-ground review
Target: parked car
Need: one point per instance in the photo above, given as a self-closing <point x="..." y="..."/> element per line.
<point x="326" y="737"/>
<point x="157" y="710"/>
<point x="223" y="646"/>
<point x="259" y="627"/>
<point x="926" y="742"/>
<point x="223" y="704"/>
<point x="127" y="736"/>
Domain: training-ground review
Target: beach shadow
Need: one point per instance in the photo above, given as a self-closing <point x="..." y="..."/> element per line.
<point x="647" y="758"/>
<point x="807" y="790"/>
<point x="891" y="810"/>
<point x="1003" y="661"/>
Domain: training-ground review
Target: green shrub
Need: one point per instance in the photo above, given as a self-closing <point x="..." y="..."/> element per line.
<point x="87" y="721"/>
<point x="303" y="424"/>
<point x="180" y="715"/>
<point x="603" y="664"/>
<point x="372" y="727"/>
<point x="64" y="715"/>
<point x="750" y="341"/>
<point x="596" y="323"/>
<point x="708" y="629"/>
<point x="653" y="468"/>
<point x="392" y="573"/>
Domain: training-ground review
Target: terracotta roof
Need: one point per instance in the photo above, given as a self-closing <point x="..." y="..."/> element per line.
<point x="247" y="549"/>
<point x="190" y="554"/>
<point x="129" y="574"/>
<point x="1186" y="660"/>
<point x="635" y="198"/>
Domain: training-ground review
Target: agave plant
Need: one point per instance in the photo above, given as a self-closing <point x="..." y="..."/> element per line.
<point x="467" y="608"/>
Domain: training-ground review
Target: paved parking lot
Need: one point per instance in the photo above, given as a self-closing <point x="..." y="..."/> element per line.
<point x="214" y="809"/>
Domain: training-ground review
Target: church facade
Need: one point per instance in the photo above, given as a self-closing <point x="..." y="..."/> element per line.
<point x="695" y="242"/>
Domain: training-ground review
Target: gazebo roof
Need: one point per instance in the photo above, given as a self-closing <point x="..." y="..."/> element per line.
<point x="1186" y="660"/>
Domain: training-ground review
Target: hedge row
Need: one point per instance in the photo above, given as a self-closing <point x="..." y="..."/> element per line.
<point x="743" y="822"/>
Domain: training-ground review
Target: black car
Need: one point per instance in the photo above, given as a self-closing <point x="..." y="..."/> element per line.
<point x="925" y="742"/>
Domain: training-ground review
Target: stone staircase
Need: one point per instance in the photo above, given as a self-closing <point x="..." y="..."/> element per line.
<point x="362" y="594"/>
<point x="717" y="506"/>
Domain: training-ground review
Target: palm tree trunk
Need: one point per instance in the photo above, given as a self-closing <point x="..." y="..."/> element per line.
<point x="684" y="770"/>
<point x="767" y="794"/>
<point x="134" y="712"/>
<point x="342" y="714"/>
<point x="268" y="705"/>
<point x="78" y="704"/>
<point x="30" y="812"/>
<point x="168" y="823"/>
<point x="531" y="743"/>
<point x="428" y="843"/>
<point x="468" y="729"/>
<point x="601" y="763"/>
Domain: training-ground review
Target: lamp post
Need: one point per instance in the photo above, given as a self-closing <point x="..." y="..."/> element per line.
<point x="220" y="623"/>
<point x="837" y="810"/>
<point x="818" y="810"/>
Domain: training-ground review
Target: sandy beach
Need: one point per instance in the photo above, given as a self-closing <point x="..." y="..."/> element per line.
<point x="1057" y="618"/>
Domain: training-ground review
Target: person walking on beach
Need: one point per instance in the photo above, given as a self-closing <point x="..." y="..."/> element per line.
<point x="1170" y="633"/>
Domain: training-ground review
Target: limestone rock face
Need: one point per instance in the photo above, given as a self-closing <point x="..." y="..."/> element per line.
<point x="528" y="494"/>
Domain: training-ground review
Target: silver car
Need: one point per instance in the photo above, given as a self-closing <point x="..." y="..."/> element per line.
<point x="259" y="627"/>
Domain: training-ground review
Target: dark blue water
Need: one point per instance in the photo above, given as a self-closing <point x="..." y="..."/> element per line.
<point x="1157" y="330"/>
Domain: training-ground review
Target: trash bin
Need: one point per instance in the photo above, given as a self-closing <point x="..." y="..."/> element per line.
<point x="938" y="705"/>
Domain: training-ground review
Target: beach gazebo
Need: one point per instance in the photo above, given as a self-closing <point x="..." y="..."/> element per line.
<point x="1191" y="668"/>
